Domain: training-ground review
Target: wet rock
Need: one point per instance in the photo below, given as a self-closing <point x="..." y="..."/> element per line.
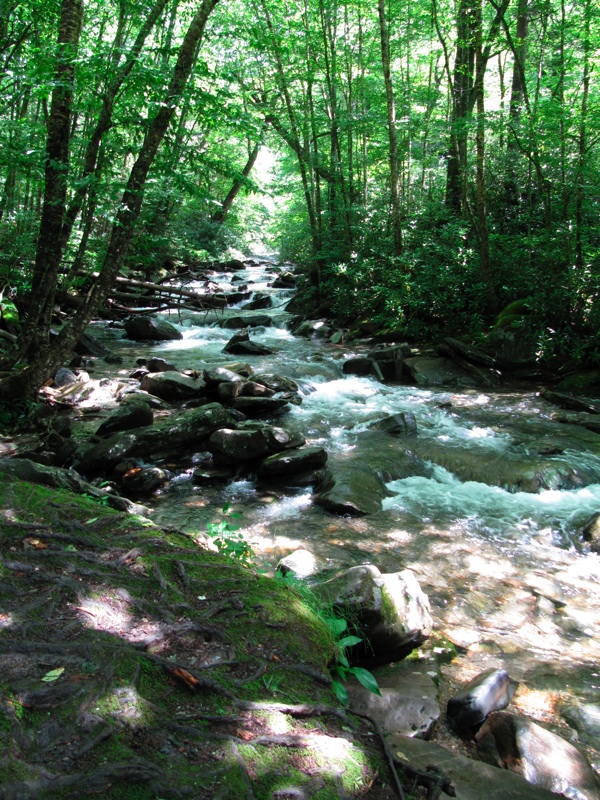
<point x="214" y="377"/>
<point x="143" y="481"/>
<point x="240" y="344"/>
<point x="172" y="386"/>
<point x="227" y="392"/>
<point x="151" y="328"/>
<point x="401" y="424"/>
<point x="300" y="564"/>
<point x="244" y="321"/>
<point x="56" y="477"/>
<point x="391" y="610"/>
<point x="211" y="474"/>
<point x="291" y="462"/>
<point x="470" y="353"/>
<point x="159" y="365"/>
<point x="472" y="780"/>
<point x="361" y="365"/>
<point x="277" y="383"/>
<point x="590" y="532"/>
<point x="585" y="718"/>
<point x="131" y="415"/>
<point x="286" y="280"/>
<point x="102" y="458"/>
<point x="569" y="401"/>
<point x="136" y="395"/>
<point x="431" y="371"/>
<point x="259" y="301"/>
<point x="253" y="388"/>
<point x="490" y="691"/>
<point x="390" y="360"/>
<point x="261" y="406"/>
<point x="540" y="756"/>
<point x="230" y="446"/>
<point x="64" y="377"/>
<point x="408" y="704"/>
<point x="353" y="490"/>
<point x="88" y="345"/>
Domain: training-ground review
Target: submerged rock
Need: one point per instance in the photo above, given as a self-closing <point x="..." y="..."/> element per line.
<point x="240" y="344"/>
<point x="355" y="490"/>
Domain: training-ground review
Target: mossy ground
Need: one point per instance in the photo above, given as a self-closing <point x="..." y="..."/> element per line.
<point x="182" y="674"/>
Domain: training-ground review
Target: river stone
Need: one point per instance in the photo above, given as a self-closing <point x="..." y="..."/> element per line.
<point x="590" y="532"/>
<point x="64" y="377"/>
<point x="430" y="371"/>
<point x="301" y="564"/>
<point x="360" y="365"/>
<point x="401" y="424"/>
<point x="540" y="756"/>
<point x="470" y="353"/>
<point x="159" y="365"/>
<point x="183" y="432"/>
<point x="102" y="458"/>
<point x="130" y="415"/>
<point x="142" y="481"/>
<point x="261" y="406"/>
<point x="230" y="446"/>
<point x="254" y="388"/>
<point x="172" y="386"/>
<point x="286" y="280"/>
<point x="391" y="610"/>
<point x="88" y="345"/>
<point x="227" y="392"/>
<point x="214" y="377"/>
<point x="151" y="328"/>
<point x="472" y="780"/>
<point x="292" y="461"/>
<point x="585" y="718"/>
<point x="488" y="692"/>
<point x="258" y="302"/>
<point x="408" y="703"/>
<point x="353" y="490"/>
<point x="277" y="383"/>
<point x="55" y="477"/>
<point x="240" y="344"/>
<point x="245" y="321"/>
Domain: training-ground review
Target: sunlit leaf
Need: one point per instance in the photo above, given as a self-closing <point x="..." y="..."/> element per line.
<point x="349" y="641"/>
<point x="53" y="675"/>
<point x="366" y="678"/>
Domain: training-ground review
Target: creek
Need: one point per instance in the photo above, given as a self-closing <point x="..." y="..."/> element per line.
<point x="508" y="581"/>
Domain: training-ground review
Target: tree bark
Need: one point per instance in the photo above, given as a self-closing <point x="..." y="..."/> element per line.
<point x="219" y="217"/>
<point x="28" y="381"/>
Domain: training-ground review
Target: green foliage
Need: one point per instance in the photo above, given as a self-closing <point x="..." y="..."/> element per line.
<point x="338" y="627"/>
<point x="228" y="540"/>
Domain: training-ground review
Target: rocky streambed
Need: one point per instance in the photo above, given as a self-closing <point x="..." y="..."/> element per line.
<point x="438" y="463"/>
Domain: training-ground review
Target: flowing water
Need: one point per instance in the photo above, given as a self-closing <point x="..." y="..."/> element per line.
<point x="507" y="578"/>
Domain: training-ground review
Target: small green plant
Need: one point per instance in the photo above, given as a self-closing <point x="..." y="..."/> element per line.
<point x="228" y="540"/>
<point x="341" y="669"/>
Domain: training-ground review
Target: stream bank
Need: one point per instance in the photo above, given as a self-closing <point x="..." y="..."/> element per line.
<point x="484" y="503"/>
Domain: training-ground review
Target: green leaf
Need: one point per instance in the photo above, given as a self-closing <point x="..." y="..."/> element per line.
<point x="349" y="641"/>
<point x="340" y="692"/>
<point x="89" y="521"/>
<point x="53" y="675"/>
<point x="366" y="678"/>
<point x="336" y="625"/>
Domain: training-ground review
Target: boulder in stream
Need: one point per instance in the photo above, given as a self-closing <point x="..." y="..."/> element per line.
<point x="540" y="756"/>
<point x="391" y="610"/>
<point x="247" y="321"/>
<point x="250" y="443"/>
<point x="354" y="490"/>
<point x="128" y="416"/>
<point x="240" y="344"/>
<point x="489" y="691"/>
<point x="172" y="386"/>
<point x="150" y="328"/>
<point x="290" y="462"/>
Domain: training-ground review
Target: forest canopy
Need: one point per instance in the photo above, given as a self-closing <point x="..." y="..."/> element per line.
<point x="432" y="164"/>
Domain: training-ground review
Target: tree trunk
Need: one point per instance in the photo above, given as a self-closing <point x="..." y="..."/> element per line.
<point x="391" y="124"/>
<point x="219" y="217"/>
<point x="29" y="380"/>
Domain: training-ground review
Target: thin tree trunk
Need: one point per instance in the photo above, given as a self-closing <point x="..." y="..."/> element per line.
<point x="28" y="381"/>
<point x="391" y="124"/>
<point x="219" y="217"/>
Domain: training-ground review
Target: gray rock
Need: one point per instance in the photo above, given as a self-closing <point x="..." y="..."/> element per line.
<point x="353" y="490"/>
<point x="240" y="344"/>
<point x="300" y="564"/>
<point x="259" y="301"/>
<point x="128" y="416"/>
<point x="292" y="461"/>
<point x="64" y="377"/>
<point x="540" y="756"/>
<point x="88" y="345"/>
<point x="172" y="386"/>
<point x="261" y="406"/>
<point x="214" y="377"/>
<point x="151" y="328"/>
<point x="277" y="383"/>
<point x="472" y="780"/>
<point x="141" y="482"/>
<point x="391" y="610"/>
<point x="585" y="718"/>
<point x="231" y="446"/>
<point x="361" y="365"/>
<point x="431" y="371"/>
<point x="490" y="691"/>
<point x="402" y="424"/>
<point x="159" y="365"/>
<point x="408" y="704"/>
